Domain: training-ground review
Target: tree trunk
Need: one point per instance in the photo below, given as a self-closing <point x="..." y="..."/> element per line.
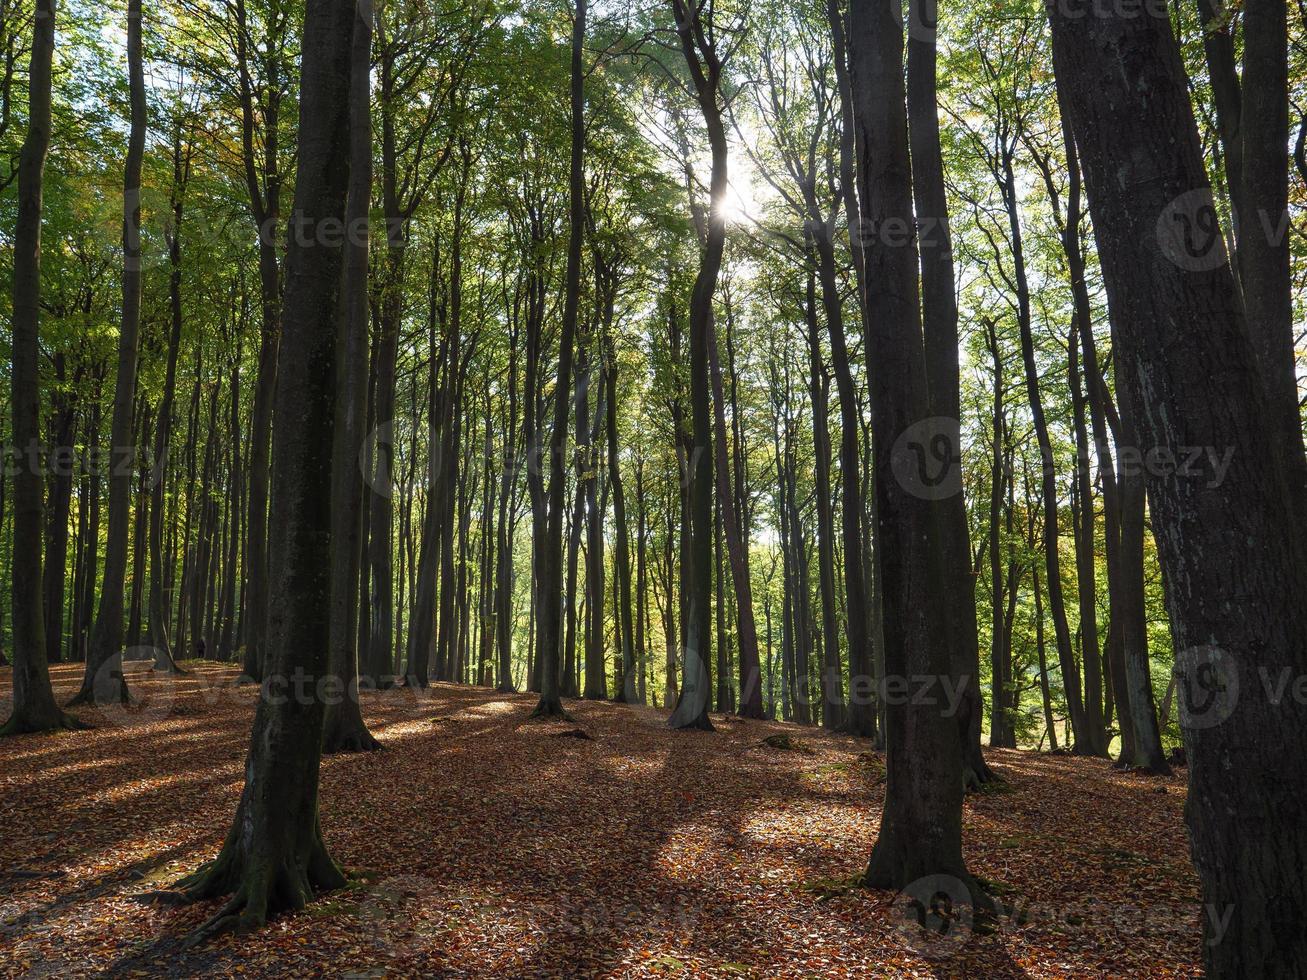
<point x="274" y="857"/>
<point x="62" y="416"/>
<point x="701" y="59"/>
<point x="34" y="707"/>
<point x="344" y="729"/>
<point x="737" y="547"/>
<point x="549" y="561"/>
<point x="1233" y="575"/>
<point x="628" y="684"/>
<point x="921" y="829"/>
<point x="158" y="600"/>
<point x="103" y="682"/>
<point x="940" y="326"/>
<point x="1263" y="252"/>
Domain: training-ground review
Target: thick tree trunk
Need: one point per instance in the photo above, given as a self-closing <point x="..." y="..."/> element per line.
<point x="921" y="830"/>
<point x="1233" y="570"/>
<point x="34" y="708"/>
<point x="274" y="857"/>
<point x="103" y="682"/>
<point x="940" y="328"/>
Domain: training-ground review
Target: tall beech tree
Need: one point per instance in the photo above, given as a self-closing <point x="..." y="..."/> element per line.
<point x="549" y="556"/>
<point x="699" y="37"/>
<point x="103" y="682"/>
<point x="343" y="726"/>
<point x="921" y="829"/>
<point x="274" y="858"/>
<point x="34" y="708"/>
<point x="940" y="328"/>
<point x="1188" y="370"/>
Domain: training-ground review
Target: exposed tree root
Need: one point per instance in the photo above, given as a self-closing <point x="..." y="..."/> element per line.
<point x="550" y="708"/>
<point x="259" y="889"/>
<point x="25" y="723"/>
<point x="349" y="738"/>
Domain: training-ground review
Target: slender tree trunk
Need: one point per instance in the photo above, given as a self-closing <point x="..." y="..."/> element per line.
<point x="1049" y="724"/>
<point x="62" y="416"/>
<point x="629" y="638"/>
<point x="737" y="547"/>
<point x="103" y="682"/>
<point x="549" y="562"/>
<point x="705" y="69"/>
<point x="1263" y="252"/>
<point x="158" y="600"/>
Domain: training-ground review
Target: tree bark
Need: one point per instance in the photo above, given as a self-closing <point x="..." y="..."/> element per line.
<point x="940" y="326"/>
<point x="1234" y="568"/>
<point x="34" y="707"/>
<point x="103" y="682"/>
<point x="705" y="70"/>
<point x="274" y="857"/>
<point x="549" y="561"/>
<point x="921" y="829"/>
<point x="344" y="729"/>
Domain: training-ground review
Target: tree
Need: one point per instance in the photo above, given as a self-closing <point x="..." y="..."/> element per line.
<point x="921" y="830"/>
<point x="698" y="39"/>
<point x="549" y="561"/>
<point x="34" y="705"/>
<point x="103" y="681"/>
<point x="1234" y="570"/>
<point x="274" y="857"/>
<point x="343" y="727"/>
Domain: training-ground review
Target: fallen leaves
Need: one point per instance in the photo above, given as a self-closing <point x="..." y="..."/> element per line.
<point x="484" y="845"/>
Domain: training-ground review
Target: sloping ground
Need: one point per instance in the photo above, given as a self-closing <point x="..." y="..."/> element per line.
<point x="487" y="845"/>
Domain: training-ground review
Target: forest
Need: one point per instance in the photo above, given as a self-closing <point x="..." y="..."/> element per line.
<point x="605" y="488"/>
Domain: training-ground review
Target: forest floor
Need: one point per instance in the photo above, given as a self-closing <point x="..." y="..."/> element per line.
<point x="487" y="845"/>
